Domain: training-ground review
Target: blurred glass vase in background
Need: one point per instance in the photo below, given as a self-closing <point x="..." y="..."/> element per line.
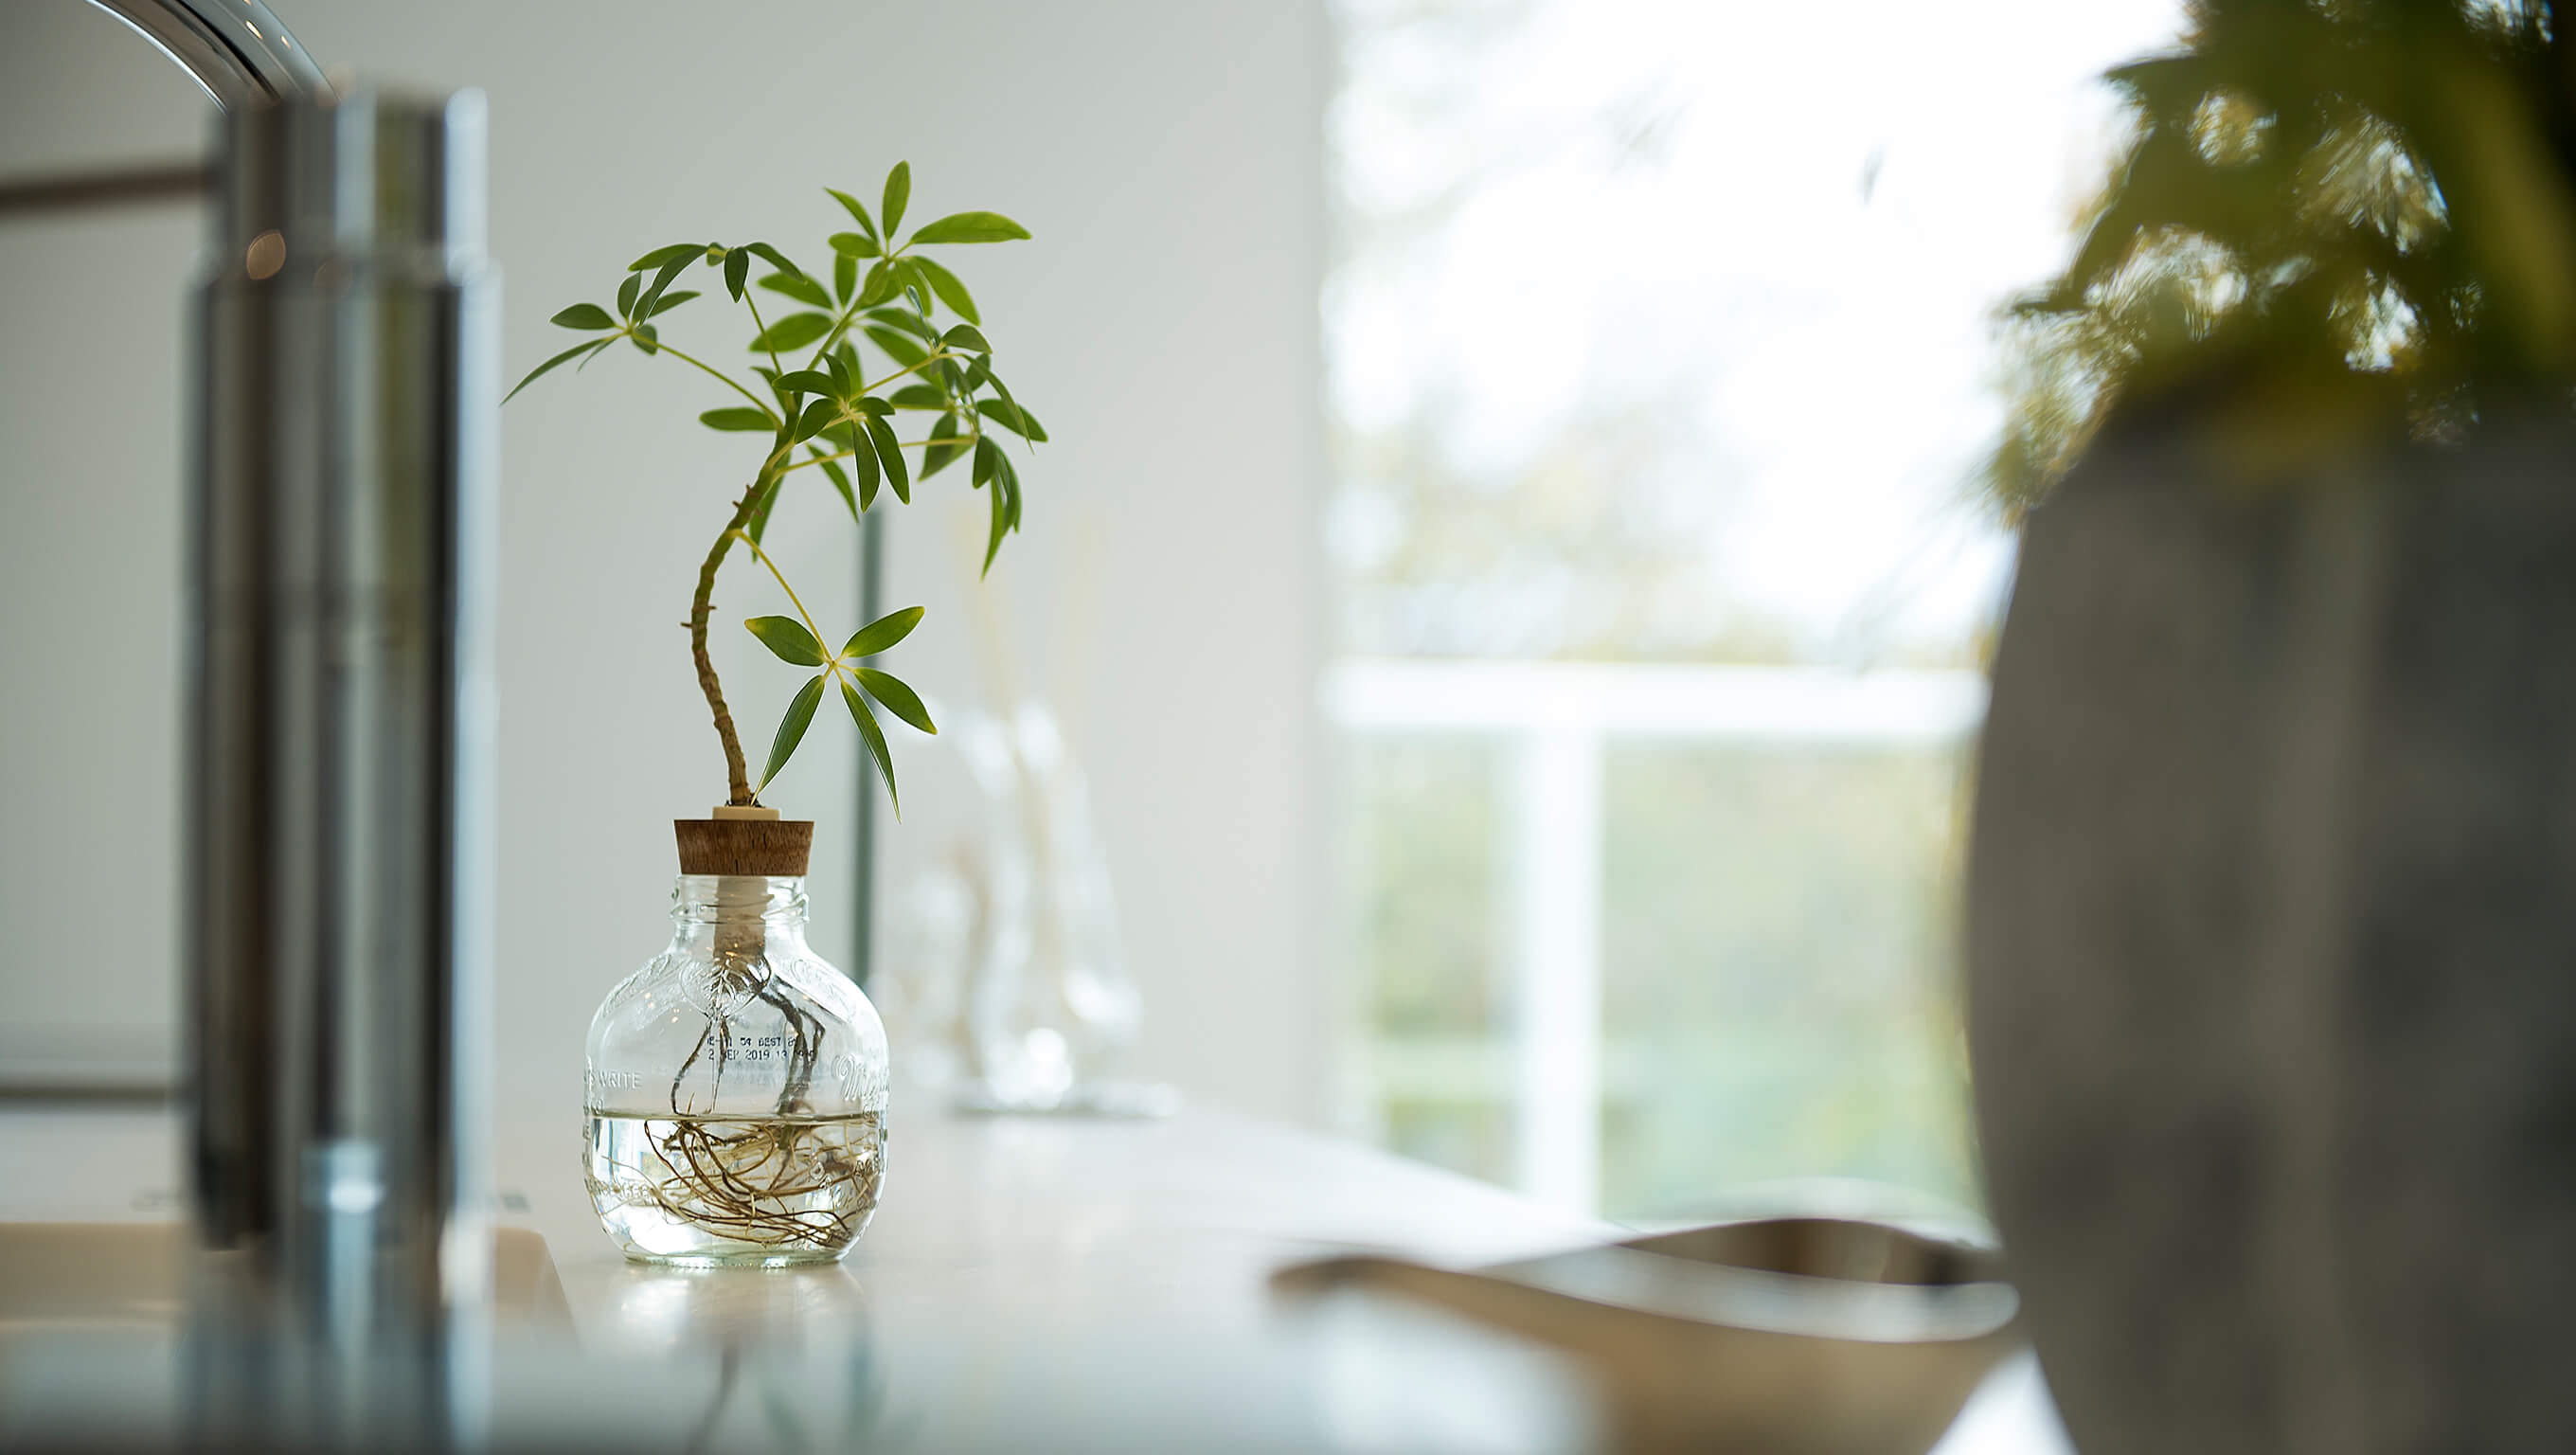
<point x="1010" y="988"/>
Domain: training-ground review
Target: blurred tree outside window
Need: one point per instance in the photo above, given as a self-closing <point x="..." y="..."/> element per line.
<point x="1661" y="351"/>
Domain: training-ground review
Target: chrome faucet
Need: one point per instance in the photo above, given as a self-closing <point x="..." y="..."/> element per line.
<point x="234" y="48"/>
<point x="338" y="754"/>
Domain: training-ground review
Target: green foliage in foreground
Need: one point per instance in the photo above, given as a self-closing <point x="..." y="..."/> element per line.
<point x="2339" y="218"/>
<point x="839" y="355"/>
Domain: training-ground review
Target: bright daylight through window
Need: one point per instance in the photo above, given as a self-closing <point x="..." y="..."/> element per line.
<point x="1661" y="343"/>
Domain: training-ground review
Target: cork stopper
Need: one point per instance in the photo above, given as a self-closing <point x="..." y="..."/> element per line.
<point x="744" y="840"/>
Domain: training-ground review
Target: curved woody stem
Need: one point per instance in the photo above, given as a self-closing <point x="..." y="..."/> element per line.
<point x="737" y="773"/>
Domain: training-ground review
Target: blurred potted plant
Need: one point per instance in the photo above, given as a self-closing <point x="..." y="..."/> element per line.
<point x="2269" y="930"/>
<point x="736" y="1085"/>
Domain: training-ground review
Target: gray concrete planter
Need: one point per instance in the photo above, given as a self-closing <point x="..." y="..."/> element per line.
<point x="2272" y="951"/>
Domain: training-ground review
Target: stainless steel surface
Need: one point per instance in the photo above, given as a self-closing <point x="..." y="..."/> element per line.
<point x="335" y="975"/>
<point x="234" y="48"/>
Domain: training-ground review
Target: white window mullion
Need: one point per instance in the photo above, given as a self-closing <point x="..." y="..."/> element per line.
<point x="1556" y="841"/>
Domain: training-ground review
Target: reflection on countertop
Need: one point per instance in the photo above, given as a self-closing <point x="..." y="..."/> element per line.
<point x="1055" y="1283"/>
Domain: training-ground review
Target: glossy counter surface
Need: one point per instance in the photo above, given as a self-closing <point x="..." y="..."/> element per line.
<point x="1073" y="1283"/>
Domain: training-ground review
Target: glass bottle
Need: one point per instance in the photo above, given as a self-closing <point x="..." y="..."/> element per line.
<point x="1049" y="1009"/>
<point x="736" y="1086"/>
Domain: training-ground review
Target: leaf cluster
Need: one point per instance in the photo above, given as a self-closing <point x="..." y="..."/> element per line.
<point x="2353" y="217"/>
<point x="842" y="355"/>
<point x="790" y="641"/>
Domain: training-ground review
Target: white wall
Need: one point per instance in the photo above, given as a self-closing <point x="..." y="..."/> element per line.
<point x="1166" y="154"/>
<point x="90" y="420"/>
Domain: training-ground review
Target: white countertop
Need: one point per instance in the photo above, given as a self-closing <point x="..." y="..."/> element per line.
<point x="1080" y="1283"/>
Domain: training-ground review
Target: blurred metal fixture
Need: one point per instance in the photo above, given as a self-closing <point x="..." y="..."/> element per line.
<point x="338" y="820"/>
<point x="234" y="48"/>
<point x="343" y="441"/>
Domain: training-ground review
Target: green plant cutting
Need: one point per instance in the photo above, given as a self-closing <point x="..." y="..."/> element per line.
<point x="835" y="365"/>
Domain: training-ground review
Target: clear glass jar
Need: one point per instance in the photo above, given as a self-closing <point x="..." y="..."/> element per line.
<point x="736" y="1089"/>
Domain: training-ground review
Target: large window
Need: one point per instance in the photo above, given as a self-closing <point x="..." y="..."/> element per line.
<point x="1660" y="337"/>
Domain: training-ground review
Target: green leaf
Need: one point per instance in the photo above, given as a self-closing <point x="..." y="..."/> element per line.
<point x="774" y="258"/>
<point x="919" y="396"/>
<point x="798" y="287"/>
<point x="596" y="350"/>
<point x="844" y="379"/>
<point x="626" y="292"/>
<point x="584" y="315"/>
<point x="907" y="320"/>
<point x="881" y="634"/>
<point x="986" y="452"/>
<point x="794" y="331"/>
<point x="645" y="337"/>
<point x="916" y="288"/>
<point x="978" y="370"/>
<point x="899" y="347"/>
<point x="1001" y="513"/>
<point x="863" y="461"/>
<point x="890" y="455"/>
<point x="845" y="276"/>
<point x="1012" y="417"/>
<point x="664" y="257"/>
<point x="737" y="266"/>
<point x="791" y="729"/>
<point x="540" y="370"/>
<point x="1000" y="413"/>
<point x="966" y="338"/>
<point x="950" y="291"/>
<point x="898" y="698"/>
<point x="937" y="457"/>
<point x="739" y="419"/>
<point x="818" y="416"/>
<point x="785" y="636"/>
<point x="898" y="190"/>
<point x="673" y="300"/>
<point x="661" y="280"/>
<point x="1011" y="484"/>
<point x="1005" y="391"/>
<point x="880" y="286"/>
<point x="876" y="406"/>
<point x="758" y="525"/>
<point x="840" y="479"/>
<point x="810" y="381"/>
<point x="971" y="227"/>
<point x="875" y="738"/>
<point x="854" y="245"/>
<point x="857" y="210"/>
